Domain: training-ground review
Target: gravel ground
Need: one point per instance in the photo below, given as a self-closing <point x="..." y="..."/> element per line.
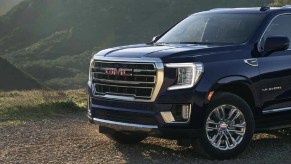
<point x="74" y="140"/>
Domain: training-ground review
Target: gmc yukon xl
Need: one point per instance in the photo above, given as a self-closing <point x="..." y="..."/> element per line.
<point x="212" y="80"/>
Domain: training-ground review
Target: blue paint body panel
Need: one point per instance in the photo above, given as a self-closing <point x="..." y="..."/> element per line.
<point x="224" y="65"/>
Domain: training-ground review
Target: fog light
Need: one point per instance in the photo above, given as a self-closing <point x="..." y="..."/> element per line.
<point x="186" y="112"/>
<point x="181" y="112"/>
<point x="178" y="114"/>
<point x="168" y="117"/>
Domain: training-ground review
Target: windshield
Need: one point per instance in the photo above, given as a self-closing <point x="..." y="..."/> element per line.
<point x="213" y="29"/>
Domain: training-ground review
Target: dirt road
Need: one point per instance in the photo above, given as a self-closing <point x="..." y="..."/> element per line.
<point x="72" y="139"/>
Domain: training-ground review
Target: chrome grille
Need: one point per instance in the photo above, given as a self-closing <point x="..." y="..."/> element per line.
<point x="136" y="80"/>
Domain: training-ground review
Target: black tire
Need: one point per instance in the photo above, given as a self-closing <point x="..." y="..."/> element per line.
<point x="124" y="138"/>
<point x="206" y="147"/>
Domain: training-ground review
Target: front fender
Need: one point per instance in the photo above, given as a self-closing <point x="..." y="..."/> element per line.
<point x="238" y="81"/>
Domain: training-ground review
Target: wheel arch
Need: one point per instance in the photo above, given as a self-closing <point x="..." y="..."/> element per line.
<point x="240" y="86"/>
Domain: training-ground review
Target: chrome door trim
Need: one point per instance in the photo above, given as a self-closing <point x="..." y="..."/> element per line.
<point x="277" y="110"/>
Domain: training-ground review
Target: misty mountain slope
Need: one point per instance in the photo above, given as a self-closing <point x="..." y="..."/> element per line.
<point x="14" y="79"/>
<point x="60" y="35"/>
<point x="6" y="5"/>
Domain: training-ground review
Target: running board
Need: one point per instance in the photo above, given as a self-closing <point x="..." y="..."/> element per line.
<point x="267" y="129"/>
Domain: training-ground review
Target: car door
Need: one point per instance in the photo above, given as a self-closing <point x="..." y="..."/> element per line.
<point x="275" y="70"/>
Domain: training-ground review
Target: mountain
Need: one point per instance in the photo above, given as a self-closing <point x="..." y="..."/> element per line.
<point x="53" y="40"/>
<point x="14" y="79"/>
<point x="6" y="5"/>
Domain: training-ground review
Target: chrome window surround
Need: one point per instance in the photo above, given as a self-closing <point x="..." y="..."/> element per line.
<point x="260" y="41"/>
<point x="159" y="66"/>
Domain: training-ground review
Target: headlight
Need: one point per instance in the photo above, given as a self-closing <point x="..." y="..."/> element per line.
<point x="90" y="70"/>
<point x="188" y="74"/>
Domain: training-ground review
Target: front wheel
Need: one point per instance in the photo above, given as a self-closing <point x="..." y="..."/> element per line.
<point x="228" y="127"/>
<point x="124" y="138"/>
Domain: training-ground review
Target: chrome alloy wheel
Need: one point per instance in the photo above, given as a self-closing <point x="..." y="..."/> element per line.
<point x="225" y="127"/>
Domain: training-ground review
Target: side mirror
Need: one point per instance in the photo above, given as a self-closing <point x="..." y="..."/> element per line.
<point x="155" y="38"/>
<point x="276" y="43"/>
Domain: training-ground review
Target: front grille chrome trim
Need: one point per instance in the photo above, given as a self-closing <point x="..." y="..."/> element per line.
<point x="102" y="73"/>
<point x="158" y="81"/>
<point x="125" y="94"/>
<point x="120" y="86"/>
<point x="123" y="81"/>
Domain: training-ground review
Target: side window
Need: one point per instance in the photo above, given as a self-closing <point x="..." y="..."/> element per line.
<point x="280" y="26"/>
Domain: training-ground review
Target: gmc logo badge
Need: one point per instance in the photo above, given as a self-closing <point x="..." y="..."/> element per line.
<point x="120" y="71"/>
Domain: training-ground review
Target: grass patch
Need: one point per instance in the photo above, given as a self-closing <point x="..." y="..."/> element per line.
<point x="11" y="123"/>
<point x="17" y="107"/>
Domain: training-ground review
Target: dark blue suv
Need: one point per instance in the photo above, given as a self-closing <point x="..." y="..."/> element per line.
<point x="212" y="81"/>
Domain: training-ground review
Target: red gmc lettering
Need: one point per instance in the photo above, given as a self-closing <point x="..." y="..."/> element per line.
<point x="120" y="71"/>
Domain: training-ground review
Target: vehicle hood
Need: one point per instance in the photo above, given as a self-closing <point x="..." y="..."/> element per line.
<point x="166" y="52"/>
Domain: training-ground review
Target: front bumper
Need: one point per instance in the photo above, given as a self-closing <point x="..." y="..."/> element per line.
<point x="144" y="117"/>
<point x="121" y="126"/>
<point x="107" y="127"/>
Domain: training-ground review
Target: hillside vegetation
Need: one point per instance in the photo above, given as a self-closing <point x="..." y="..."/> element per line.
<point x="278" y="3"/>
<point x="14" y="79"/>
<point x="18" y="107"/>
<point x="53" y="40"/>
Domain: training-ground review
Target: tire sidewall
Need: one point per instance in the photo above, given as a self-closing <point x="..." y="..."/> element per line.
<point x="230" y="99"/>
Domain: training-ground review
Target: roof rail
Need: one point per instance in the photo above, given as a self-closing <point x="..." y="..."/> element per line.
<point x="265" y="7"/>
